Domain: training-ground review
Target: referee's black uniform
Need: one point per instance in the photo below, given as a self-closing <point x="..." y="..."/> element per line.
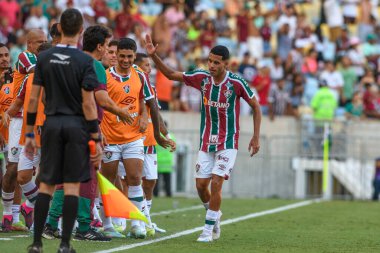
<point x="64" y="71"/>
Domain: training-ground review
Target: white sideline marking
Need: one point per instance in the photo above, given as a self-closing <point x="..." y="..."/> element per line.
<point x="226" y="222"/>
<point x="177" y="210"/>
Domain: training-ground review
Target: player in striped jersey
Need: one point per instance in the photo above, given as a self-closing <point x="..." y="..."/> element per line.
<point x="150" y="173"/>
<point x="219" y="133"/>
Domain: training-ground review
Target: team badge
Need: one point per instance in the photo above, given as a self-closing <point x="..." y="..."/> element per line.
<point x="205" y="81"/>
<point x="126" y="88"/>
<point x="7" y="90"/>
<point x="14" y="150"/>
<point x="197" y="167"/>
<point x="227" y="93"/>
<point x="214" y="139"/>
<point x="229" y="85"/>
<point x="108" y="154"/>
<point x="221" y="167"/>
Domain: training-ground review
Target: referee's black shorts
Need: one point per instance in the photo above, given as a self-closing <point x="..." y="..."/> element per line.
<point x="64" y="150"/>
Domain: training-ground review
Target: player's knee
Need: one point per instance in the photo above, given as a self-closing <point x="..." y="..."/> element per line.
<point x="10" y="175"/>
<point x="24" y="178"/>
<point x="134" y="180"/>
<point x="216" y="185"/>
<point x="201" y="185"/>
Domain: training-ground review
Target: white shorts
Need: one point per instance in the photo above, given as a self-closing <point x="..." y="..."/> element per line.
<point x="14" y="147"/>
<point x="220" y="163"/>
<point x="150" y="167"/>
<point x="130" y="150"/>
<point x="121" y="170"/>
<point x="27" y="164"/>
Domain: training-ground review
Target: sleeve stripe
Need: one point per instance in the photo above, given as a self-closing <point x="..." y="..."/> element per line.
<point x="22" y="85"/>
<point x="245" y="87"/>
<point x="198" y="72"/>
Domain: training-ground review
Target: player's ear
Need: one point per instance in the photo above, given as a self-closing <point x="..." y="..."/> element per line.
<point x="59" y="28"/>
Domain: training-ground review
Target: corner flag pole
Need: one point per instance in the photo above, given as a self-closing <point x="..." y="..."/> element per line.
<point x="326" y="184"/>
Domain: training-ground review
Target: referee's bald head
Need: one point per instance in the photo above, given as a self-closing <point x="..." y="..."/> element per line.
<point x="71" y="22"/>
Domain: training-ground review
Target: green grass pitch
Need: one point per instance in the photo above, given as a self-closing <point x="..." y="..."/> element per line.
<point x="335" y="226"/>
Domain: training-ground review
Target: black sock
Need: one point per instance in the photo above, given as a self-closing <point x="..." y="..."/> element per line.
<point x="41" y="208"/>
<point x="69" y="214"/>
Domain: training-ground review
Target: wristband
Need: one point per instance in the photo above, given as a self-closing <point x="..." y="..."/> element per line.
<point x="93" y="126"/>
<point x="168" y="136"/>
<point x="31" y="118"/>
<point x="29" y="135"/>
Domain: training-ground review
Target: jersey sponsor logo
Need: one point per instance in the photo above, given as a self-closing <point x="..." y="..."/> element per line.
<point x="108" y="154"/>
<point x="127" y="88"/>
<point x="223" y="158"/>
<point x="227" y="93"/>
<point x="215" y="104"/>
<point x="62" y="59"/>
<point x="129" y="100"/>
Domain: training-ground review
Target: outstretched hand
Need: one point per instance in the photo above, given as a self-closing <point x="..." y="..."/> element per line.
<point x="254" y="146"/>
<point x="150" y="48"/>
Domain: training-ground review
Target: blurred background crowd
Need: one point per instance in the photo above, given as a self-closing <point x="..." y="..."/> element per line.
<point x="305" y="58"/>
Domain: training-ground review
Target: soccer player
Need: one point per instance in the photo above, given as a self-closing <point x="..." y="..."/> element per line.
<point x="110" y="59"/>
<point x="150" y="173"/>
<point x="68" y="79"/>
<point x="128" y="86"/>
<point x="11" y="191"/>
<point x="26" y="167"/>
<point x="221" y="91"/>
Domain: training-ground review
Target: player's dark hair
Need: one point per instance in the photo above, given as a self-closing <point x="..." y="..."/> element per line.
<point x="221" y="51"/>
<point x="93" y="36"/>
<point x="113" y="43"/>
<point x="127" y="43"/>
<point x="54" y="31"/>
<point x="140" y="57"/>
<point x="71" y="22"/>
<point x="44" y="46"/>
<point x="2" y="45"/>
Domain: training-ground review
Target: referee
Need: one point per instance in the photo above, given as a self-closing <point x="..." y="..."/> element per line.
<point x="67" y="77"/>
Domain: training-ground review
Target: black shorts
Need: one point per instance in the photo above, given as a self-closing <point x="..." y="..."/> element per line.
<point x="64" y="150"/>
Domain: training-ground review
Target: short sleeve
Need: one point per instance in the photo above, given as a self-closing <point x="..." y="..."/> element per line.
<point x="194" y="78"/>
<point x="26" y="61"/>
<point x="90" y="81"/>
<point x="243" y="90"/>
<point x="38" y="80"/>
<point x="148" y="92"/>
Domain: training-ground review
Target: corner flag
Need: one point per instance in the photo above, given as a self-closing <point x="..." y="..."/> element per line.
<point x="115" y="203"/>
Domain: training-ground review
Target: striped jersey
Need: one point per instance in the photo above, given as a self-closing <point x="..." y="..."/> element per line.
<point x="220" y="108"/>
<point x="25" y="62"/>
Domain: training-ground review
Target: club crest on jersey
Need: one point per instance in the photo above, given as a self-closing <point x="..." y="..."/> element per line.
<point x="227" y="93"/>
<point x="205" y="81"/>
<point x="14" y="150"/>
<point x="213" y="139"/>
<point x="127" y="88"/>
<point x="108" y="154"/>
<point x="7" y="90"/>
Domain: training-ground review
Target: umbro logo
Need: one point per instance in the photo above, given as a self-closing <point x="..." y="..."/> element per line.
<point x="62" y="57"/>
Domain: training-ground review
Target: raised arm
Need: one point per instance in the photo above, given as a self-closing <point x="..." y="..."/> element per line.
<point x="166" y="70"/>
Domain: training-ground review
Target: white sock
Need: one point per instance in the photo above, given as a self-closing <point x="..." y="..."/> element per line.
<point x="16" y="213"/>
<point x="206" y="205"/>
<point x="107" y="221"/>
<point x="30" y="191"/>
<point x="211" y="217"/>
<point x="136" y="196"/>
<point x="147" y="211"/>
<point x="7" y="199"/>
<point x="95" y="212"/>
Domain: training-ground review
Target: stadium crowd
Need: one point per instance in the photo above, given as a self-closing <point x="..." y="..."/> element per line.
<point x="284" y="49"/>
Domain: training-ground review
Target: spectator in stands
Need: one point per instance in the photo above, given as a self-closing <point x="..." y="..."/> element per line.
<point x="310" y="63"/>
<point x="371" y="49"/>
<point x="371" y="101"/>
<point x="247" y="69"/>
<point x="266" y="34"/>
<point x="365" y="23"/>
<point x="10" y="11"/>
<point x="207" y="37"/>
<point x="242" y="22"/>
<point x="284" y="42"/>
<point x="334" y="18"/>
<point x="343" y="43"/>
<point x="356" y="56"/>
<point x="350" y="79"/>
<point x="278" y="100"/>
<point x="296" y="93"/>
<point x="376" y="181"/>
<point x="354" y="108"/>
<point x="289" y="17"/>
<point x="333" y="78"/>
<point x="324" y="102"/>
<point x="277" y="71"/>
<point x="36" y="20"/>
<point x="262" y="83"/>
